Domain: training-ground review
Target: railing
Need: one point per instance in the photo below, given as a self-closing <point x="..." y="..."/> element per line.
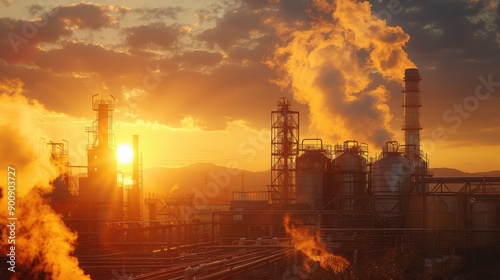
<point x="252" y="196"/>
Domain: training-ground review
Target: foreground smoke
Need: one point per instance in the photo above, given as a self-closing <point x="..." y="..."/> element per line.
<point x="43" y="244"/>
<point x="338" y="64"/>
<point x="312" y="249"/>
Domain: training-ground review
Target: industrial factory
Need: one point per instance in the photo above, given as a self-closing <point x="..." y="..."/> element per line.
<point x="350" y="204"/>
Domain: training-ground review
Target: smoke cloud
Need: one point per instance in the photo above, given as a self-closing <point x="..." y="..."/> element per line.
<point x="338" y="64"/>
<point x="312" y="249"/>
<point x="43" y="243"/>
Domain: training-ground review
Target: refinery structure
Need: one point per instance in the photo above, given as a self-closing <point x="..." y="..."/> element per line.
<point x="346" y="201"/>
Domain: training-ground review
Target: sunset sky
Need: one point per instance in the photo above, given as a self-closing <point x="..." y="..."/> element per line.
<point x="197" y="79"/>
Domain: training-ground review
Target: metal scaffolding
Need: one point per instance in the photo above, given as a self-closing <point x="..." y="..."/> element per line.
<point x="284" y="152"/>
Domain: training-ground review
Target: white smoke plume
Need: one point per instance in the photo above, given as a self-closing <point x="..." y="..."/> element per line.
<point x="338" y="64"/>
<point x="43" y="244"/>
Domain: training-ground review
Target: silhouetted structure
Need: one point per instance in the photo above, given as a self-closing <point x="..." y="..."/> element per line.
<point x="284" y="152"/>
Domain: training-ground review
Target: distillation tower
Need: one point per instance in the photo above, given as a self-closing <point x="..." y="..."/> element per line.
<point x="101" y="199"/>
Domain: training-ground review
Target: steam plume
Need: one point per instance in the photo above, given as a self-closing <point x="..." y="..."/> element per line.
<point x="43" y="243"/>
<point x="332" y="63"/>
<point x="312" y="249"/>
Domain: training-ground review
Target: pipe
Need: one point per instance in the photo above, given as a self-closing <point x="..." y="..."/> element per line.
<point x="204" y="267"/>
<point x="243" y="267"/>
<point x="245" y="247"/>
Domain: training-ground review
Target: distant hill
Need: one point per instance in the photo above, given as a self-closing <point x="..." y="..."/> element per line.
<point x="445" y="172"/>
<point x="213" y="181"/>
<point x="218" y="183"/>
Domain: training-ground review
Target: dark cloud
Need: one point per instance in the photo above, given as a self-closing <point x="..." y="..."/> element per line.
<point x="256" y="50"/>
<point x="14" y="45"/>
<point x="88" y="58"/>
<point x="154" y="35"/>
<point x="246" y="31"/>
<point x="247" y="28"/>
<point x="67" y="93"/>
<point x="236" y="26"/>
<point x="447" y="28"/>
<point x="229" y="91"/>
<point x="88" y="15"/>
<point x="18" y="38"/>
<point x="207" y="84"/>
<point x="294" y="10"/>
<point x="454" y="43"/>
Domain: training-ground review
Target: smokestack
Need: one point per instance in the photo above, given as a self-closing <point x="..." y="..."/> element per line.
<point x="100" y="198"/>
<point x="134" y="194"/>
<point x="135" y="171"/>
<point x="411" y="107"/>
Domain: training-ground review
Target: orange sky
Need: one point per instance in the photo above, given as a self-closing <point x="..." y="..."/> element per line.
<point x="197" y="81"/>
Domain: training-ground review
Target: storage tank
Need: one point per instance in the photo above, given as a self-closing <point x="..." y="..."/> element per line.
<point x="349" y="174"/>
<point x="446" y="216"/>
<point x="391" y="184"/>
<point x="484" y="218"/>
<point x="312" y="167"/>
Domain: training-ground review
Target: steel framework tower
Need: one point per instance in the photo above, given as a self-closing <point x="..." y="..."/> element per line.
<point x="284" y="152"/>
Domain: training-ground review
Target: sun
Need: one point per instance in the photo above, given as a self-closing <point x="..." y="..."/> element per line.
<point x="124" y="154"/>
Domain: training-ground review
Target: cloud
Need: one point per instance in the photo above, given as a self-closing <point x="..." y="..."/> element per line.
<point x="219" y="61"/>
<point x="20" y="38"/>
<point x="88" y="15"/>
<point x="240" y="92"/>
<point x="153" y="35"/>
<point x="236" y="26"/>
<point x="159" y="13"/>
<point x="331" y="66"/>
<point x="88" y="58"/>
<point x="198" y="58"/>
<point x="467" y="29"/>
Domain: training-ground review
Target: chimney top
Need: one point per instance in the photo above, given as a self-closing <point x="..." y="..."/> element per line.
<point x="412" y="73"/>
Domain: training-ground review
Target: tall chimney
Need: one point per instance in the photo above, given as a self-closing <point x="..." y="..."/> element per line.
<point x="134" y="194"/>
<point x="135" y="160"/>
<point x="411" y="107"/>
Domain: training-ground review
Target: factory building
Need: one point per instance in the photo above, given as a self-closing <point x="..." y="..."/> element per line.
<point x="349" y="200"/>
<point x="357" y="202"/>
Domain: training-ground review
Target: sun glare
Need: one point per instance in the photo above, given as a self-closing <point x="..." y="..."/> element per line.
<point x="124" y="154"/>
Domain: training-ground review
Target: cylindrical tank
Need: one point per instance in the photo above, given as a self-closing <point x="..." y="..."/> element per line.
<point x="484" y="218"/>
<point x="312" y="166"/>
<point x="391" y="184"/>
<point x="349" y="175"/>
<point x="445" y="214"/>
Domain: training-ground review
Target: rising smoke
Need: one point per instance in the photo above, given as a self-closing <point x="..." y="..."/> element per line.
<point x="338" y="64"/>
<point x="43" y="243"/>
